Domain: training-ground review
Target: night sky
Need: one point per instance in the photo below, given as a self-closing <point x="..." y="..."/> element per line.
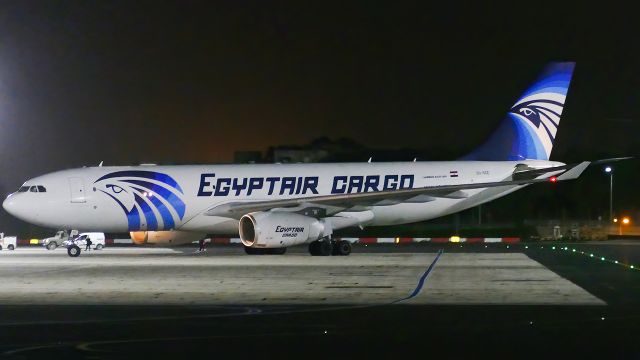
<point x="89" y="81"/>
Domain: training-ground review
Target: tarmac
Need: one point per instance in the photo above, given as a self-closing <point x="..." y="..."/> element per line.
<point x="382" y="300"/>
<point x="226" y="276"/>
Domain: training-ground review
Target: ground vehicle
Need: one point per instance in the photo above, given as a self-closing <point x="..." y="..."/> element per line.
<point x="8" y="242"/>
<point x="61" y="236"/>
<point x="97" y="240"/>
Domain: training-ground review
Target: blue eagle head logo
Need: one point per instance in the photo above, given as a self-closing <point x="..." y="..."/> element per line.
<point x="537" y="110"/>
<point x="543" y="114"/>
<point x="146" y="197"/>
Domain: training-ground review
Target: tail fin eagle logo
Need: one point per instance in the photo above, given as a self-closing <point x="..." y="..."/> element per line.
<point x="150" y="200"/>
<point x="531" y="125"/>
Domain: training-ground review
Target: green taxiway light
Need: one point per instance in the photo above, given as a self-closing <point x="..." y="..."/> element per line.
<point x="574" y="250"/>
<point x="631" y="266"/>
<point x="553" y="248"/>
<point x="591" y="255"/>
<point x="602" y="258"/>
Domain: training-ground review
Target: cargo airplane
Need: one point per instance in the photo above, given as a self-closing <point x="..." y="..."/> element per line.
<point x="274" y="206"/>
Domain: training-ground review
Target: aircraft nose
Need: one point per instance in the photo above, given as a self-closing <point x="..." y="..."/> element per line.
<point x="14" y="206"/>
<point x="7" y="205"/>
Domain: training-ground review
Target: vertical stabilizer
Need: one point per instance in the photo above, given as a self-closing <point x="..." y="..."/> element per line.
<point x="530" y="127"/>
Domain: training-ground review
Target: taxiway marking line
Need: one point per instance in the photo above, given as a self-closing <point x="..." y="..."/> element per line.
<point x="423" y="279"/>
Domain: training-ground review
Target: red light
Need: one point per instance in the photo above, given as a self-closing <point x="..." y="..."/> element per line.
<point x="553" y="179"/>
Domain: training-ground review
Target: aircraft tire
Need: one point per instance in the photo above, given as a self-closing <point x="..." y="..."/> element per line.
<point x="73" y="251"/>
<point x="325" y="248"/>
<point x="343" y="248"/>
<point x="335" y="250"/>
<point x="314" y="248"/>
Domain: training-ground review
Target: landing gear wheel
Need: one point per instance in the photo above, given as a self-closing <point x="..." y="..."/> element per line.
<point x="343" y="248"/>
<point x="334" y="248"/>
<point x="321" y="248"/>
<point x="10" y="247"/>
<point x="99" y="247"/>
<point x="314" y="248"/>
<point x="73" y="251"/>
<point x="52" y="246"/>
<point x="325" y="248"/>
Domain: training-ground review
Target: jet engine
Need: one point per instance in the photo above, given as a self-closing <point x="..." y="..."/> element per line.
<point x="166" y="238"/>
<point x="280" y="229"/>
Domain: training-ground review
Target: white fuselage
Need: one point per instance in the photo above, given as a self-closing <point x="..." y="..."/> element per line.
<point x="95" y="199"/>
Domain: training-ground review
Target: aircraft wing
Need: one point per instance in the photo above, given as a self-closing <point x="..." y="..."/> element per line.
<point x="326" y="205"/>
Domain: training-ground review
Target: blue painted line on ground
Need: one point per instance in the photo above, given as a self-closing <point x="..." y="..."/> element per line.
<point x="423" y="279"/>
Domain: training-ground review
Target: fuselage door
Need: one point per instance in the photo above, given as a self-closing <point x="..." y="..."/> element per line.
<point x="76" y="185"/>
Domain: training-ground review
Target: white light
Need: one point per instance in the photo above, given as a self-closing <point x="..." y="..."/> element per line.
<point x="608" y="169"/>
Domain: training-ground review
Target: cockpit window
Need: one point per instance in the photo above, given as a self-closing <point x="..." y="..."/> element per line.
<point x="32" y="188"/>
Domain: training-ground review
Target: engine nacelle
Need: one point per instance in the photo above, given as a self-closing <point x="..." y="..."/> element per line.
<point x="280" y="229"/>
<point x="166" y="238"/>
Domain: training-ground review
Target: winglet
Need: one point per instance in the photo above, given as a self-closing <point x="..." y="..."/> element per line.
<point x="575" y="171"/>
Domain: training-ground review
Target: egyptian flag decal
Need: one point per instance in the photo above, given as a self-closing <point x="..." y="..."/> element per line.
<point x="453" y="173"/>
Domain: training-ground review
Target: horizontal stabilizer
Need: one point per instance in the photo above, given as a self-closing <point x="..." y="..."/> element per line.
<point x="574" y="172"/>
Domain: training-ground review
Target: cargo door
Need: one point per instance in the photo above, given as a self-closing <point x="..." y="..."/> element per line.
<point x="76" y="185"/>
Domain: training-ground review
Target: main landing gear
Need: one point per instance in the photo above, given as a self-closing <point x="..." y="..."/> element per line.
<point x="326" y="247"/>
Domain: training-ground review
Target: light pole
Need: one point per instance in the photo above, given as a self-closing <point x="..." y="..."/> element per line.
<point x="609" y="171"/>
